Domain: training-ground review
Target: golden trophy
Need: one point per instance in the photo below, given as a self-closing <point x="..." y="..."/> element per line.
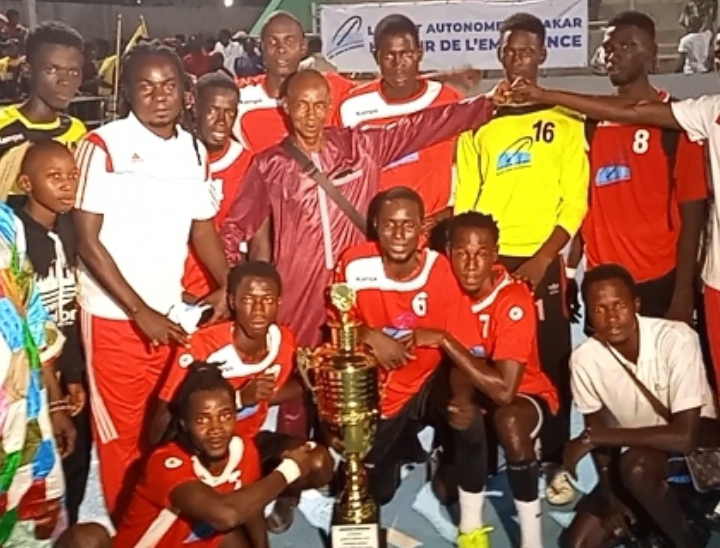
<point x="344" y="381"/>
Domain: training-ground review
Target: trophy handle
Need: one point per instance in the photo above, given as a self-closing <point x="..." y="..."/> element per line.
<point x="304" y="366"/>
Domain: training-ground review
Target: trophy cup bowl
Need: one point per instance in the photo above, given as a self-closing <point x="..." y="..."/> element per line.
<point x="344" y="381"/>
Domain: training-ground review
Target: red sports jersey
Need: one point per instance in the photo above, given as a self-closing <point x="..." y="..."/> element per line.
<point x="428" y="171"/>
<point x="431" y="299"/>
<point x="150" y="520"/>
<point x="261" y="123"/>
<point x="215" y="344"/>
<point x="507" y="330"/>
<point x="634" y="217"/>
<point x="227" y="170"/>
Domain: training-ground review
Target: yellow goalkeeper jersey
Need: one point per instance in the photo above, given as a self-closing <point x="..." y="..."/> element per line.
<point x="528" y="168"/>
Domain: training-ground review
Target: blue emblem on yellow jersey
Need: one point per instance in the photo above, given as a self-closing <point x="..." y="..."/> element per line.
<point x="516" y="155"/>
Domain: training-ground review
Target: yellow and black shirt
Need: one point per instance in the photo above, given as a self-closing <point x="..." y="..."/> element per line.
<point x="16" y="130"/>
<point x="528" y="168"/>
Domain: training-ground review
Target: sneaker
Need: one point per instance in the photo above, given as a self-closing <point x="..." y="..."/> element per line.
<point x="560" y="491"/>
<point x="479" y="538"/>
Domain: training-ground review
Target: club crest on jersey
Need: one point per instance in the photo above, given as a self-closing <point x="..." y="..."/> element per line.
<point x="406" y="320"/>
<point x="609" y="175"/>
<point x="478" y="351"/>
<point x="515" y="156"/>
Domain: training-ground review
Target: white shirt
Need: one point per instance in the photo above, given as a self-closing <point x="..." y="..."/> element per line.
<point x="669" y="364"/>
<point x="230" y="52"/>
<point x="699" y="118"/>
<point x="695" y="46"/>
<point x="148" y="190"/>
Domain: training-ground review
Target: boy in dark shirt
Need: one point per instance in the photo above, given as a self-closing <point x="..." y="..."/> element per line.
<point x="49" y="177"/>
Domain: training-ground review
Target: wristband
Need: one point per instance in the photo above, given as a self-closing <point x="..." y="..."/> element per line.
<point x="289" y="470"/>
<point x="570" y="272"/>
<point x="238" y="400"/>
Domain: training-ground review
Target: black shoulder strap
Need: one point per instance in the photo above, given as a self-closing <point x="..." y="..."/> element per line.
<point x="311" y="170"/>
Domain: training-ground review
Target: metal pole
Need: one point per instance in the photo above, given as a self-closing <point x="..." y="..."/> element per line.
<point x="31" y="13"/>
<point x="116" y="74"/>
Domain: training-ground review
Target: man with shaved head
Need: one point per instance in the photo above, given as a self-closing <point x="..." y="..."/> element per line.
<point x="310" y="228"/>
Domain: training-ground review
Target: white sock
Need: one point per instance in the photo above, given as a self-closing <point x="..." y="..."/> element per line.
<point x="471" y="509"/>
<point x="529" y="514"/>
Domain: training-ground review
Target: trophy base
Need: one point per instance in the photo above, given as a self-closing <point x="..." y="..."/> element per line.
<point x="368" y="535"/>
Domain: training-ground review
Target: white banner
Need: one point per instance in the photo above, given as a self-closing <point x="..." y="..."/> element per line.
<point x="454" y="33"/>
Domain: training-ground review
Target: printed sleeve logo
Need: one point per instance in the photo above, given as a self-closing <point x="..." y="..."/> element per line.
<point x="347" y="37"/>
<point x="173" y="463"/>
<point x="516" y="313"/>
<point x="185" y="360"/>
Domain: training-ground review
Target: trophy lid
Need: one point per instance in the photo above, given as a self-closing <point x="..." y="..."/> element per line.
<point x="342" y="297"/>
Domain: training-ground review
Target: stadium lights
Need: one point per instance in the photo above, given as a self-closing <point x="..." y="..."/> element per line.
<point x="228" y="3"/>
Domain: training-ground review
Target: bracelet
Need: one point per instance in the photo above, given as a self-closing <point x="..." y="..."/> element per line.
<point x="289" y="470"/>
<point x="58" y="405"/>
<point x="570" y="272"/>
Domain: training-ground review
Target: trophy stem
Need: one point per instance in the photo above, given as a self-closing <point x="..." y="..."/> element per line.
<point x="344" y="337"/>
<point x="356" y="506"/>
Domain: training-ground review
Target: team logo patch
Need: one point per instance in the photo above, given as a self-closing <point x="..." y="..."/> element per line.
<point x="516" y="313"/>
<point x="172" y="463"/>
<point x="185" y="360"/>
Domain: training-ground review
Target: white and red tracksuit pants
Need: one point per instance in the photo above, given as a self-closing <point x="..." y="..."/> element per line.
<point x="124" y="372"/>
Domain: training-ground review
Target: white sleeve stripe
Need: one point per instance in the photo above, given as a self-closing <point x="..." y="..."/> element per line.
<point x="84" y="171"/>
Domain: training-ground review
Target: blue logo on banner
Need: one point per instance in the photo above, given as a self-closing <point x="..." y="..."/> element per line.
<point x="347" y="37"/>
<point x="609" y="175"/>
